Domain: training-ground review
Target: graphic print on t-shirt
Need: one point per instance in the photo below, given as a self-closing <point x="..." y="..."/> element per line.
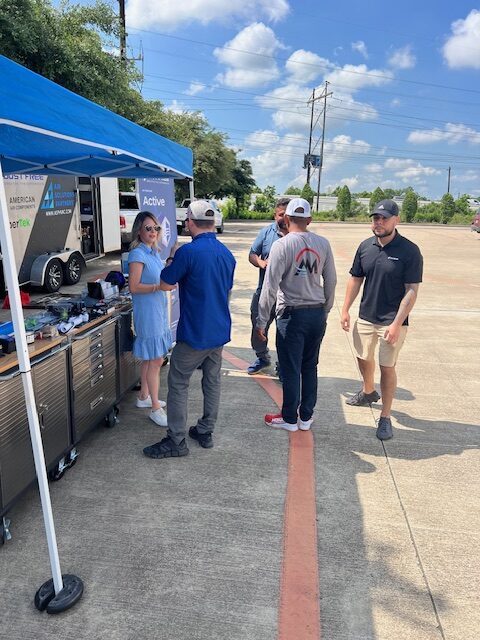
<point x="306" y="262"/>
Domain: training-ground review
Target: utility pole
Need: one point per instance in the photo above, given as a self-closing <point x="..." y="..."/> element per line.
<point x="123" y="32"/>
<point x="310" y="138"/>
<point x="448" y="183"/>
<point x="325" y="96"/>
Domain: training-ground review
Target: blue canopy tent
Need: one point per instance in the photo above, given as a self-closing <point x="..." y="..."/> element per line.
<point x="46" y="129"/>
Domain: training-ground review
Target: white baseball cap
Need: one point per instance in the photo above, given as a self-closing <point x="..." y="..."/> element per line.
<point x="298" y="208"/>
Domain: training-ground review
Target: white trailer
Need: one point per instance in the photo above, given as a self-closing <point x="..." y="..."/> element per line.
<point x="58" y="223"/>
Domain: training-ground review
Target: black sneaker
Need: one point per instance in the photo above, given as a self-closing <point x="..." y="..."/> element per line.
<point x="384" y="429"/>
<point x="166" y="448"/>
<point x="205" y="440"/>
<point x="259" y="365"/>
<point x="362" y="399"/>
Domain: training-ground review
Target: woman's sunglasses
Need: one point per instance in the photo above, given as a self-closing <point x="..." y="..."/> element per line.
<point x="149" y="228"/>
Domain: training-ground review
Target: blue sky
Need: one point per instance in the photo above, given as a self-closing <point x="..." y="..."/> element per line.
<point x="404" y="78"/>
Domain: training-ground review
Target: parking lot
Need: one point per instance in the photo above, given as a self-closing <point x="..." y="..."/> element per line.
<point x="197" y="548"/>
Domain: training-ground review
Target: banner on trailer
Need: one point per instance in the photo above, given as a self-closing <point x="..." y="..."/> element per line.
<point x="158" y="196"/>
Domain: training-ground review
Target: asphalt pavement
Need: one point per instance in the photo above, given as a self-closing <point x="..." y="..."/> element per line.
<point x="329" y="533"/>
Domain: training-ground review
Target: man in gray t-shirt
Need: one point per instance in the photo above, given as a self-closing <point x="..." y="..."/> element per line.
<point x="301" y="278"/>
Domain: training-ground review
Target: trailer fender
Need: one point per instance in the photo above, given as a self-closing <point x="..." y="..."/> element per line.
<point x="39" y="266"/>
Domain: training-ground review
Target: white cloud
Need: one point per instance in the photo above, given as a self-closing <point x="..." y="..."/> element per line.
<point x="343" y="106"/>
<point x="279" y="162"/>
<point x="409" y="170"/>
<point x="305" y="66"/>
<point x="361" y="47"/>
<point x="292" y="102"/>
<point x="262" y="138"/>
<point x="167" y="14"/>
<point x="249" y="69"/>
<point x="355" y="77"/>
<point x="194" y="88"/>
<point x="397" y="163"/>
<point x="395" y="102"/>
<point x="177" y="107"/>
<point x="350" y="182"/>
<point x="451" y="134"/>
<point x="341" y="148"/>
<point x="468" y="176"/>
<point x="373" y="168"/>
<point x="462" y="49"/>
<point x="402" y="58"/>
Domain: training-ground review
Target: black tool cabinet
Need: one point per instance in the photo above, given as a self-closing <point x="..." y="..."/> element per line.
<point x="77" y="383"/>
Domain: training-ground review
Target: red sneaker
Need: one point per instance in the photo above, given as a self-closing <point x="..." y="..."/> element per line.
<point x="277" y="422"/>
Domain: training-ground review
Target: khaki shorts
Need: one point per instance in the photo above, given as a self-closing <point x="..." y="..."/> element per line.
<point x="365" y="338"/>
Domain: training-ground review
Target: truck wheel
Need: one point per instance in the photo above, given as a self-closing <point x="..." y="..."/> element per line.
<point x="220" y="228"/>
<point x="179" y="229"/>
<point x="72" y="271"/>
<point x="53" y="276"/>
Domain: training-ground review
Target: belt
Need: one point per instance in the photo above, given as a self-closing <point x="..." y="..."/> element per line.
<point x="305" y="306"/>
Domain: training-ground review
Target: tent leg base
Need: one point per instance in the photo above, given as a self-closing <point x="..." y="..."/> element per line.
<point x="45" y="598"/>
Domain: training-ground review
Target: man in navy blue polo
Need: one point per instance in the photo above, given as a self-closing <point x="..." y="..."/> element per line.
<point x="390" y="268"/>
<point x="204" y="271"/>
<point x="258" y="257"/>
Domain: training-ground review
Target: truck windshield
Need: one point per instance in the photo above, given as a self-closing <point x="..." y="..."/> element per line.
<point x="128" y="201"/>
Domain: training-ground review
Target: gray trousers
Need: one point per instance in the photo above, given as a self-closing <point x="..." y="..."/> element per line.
<point x="183" y="362"/>
<point x="259" y="346"/>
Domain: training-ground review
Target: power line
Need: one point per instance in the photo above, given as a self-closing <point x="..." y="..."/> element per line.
<point x="302" y="103"/>
<point x="329" y="68"/>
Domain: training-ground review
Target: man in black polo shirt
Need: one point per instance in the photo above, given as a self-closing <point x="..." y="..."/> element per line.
<point x="390" y="266"/>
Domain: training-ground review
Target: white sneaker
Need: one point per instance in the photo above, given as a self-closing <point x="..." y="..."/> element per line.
<point x="159" y="417"/>
<point x="147" y="403"/>
<point x="304" y="425"/>
<point x="277" y="422"/>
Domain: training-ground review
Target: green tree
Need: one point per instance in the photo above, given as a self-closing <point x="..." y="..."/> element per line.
<point x="447" y="205"/>
<point x="363" y="194"/>
<point x="308" y="193"/>
<point x="265" y="203"/>
<point x="293" y="191"/>
<point x="240" y="185"/>
<point x="75" y="46"/>
<point x="409" y="206"/>
<point x="375" y="198"/>
<point x="344" y="202"/>
<point x="461" y="205"/>
<point x="69" y="46"/>
<point x="389" y="193"/>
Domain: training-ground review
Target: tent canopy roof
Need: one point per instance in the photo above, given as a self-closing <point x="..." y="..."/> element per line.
<point x="47" y="129"/>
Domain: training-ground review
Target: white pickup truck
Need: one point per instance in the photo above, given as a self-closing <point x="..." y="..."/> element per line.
<point x="128" y="201"/>
<point x="181" y="214"/>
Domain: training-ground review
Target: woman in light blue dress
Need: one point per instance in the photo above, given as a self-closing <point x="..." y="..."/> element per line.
<point x="150" y="314"/>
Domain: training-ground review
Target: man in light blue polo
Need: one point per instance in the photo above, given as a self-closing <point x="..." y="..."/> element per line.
<point x="204" y="271"/>
<point x="258" y="256"/>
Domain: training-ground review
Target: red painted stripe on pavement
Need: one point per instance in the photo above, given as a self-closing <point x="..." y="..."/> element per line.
<point x="299" y="611"/>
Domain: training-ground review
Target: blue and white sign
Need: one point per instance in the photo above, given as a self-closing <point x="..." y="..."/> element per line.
<point x="158" y="196"/>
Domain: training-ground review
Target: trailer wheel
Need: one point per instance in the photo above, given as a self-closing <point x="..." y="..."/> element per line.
<point x="72" y="271"/>
<point x="53" y="276"/>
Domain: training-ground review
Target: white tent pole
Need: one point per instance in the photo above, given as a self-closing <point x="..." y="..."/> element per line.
<point x="191" y="189"/>
<point x="11" y="278"/>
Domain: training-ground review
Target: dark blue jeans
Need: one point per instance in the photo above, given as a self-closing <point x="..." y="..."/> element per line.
<point x="299" y="336"/>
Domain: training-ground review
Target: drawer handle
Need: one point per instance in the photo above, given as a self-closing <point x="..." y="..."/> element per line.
<point x="96" y="402"/>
